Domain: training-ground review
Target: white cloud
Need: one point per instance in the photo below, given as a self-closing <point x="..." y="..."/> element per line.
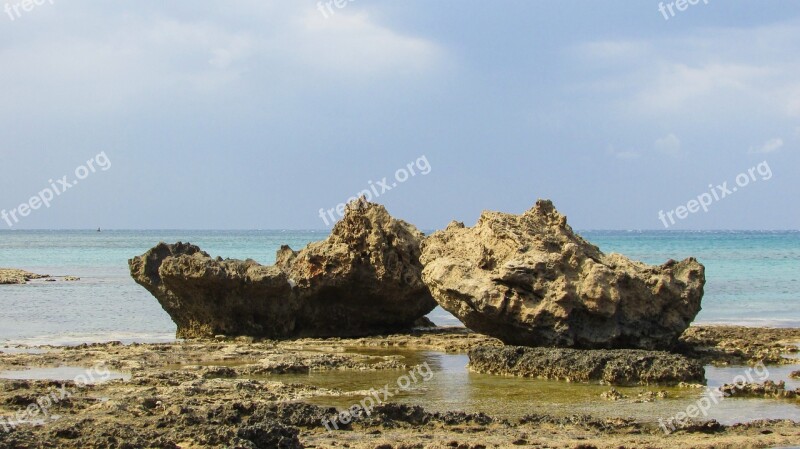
<point x="720" y="71"/>
<point x="678" y="85"/>
<point x="173" y="55"/>
<point x="353" y="44"/>
<point x="669" y="145"/>
<point x="769" y="146"/>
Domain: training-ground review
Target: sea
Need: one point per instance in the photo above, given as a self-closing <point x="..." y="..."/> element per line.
<point x="753" y="277"/>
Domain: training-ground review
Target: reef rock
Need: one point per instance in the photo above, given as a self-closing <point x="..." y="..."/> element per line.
<point x="530" y="280"/>
<point x="13" y="276"/>
<point x="364" y="279"/>
<point x="608" y="366"/>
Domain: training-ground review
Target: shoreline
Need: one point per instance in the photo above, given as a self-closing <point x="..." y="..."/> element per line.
<point x="77" y="339"/>
<point x="173" y="388"/>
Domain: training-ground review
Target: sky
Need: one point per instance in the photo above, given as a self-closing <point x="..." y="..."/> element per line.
<point x="258" y="114"/>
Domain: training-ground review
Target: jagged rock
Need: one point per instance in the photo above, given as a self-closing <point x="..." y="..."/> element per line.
<point x="365" y="278"/>
<point x="767" y="389"/>
<point x="612" y="395"/>
<point x="424" y="323"/>
<point x="14" y="276"/>
<point x="609" y="366"/>
<point x="530" y="280"/>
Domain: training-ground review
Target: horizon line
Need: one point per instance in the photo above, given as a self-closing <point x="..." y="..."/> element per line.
<point x="330" y="229"/>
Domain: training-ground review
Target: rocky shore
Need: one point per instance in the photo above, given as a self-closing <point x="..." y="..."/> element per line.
<point x="547" y="304"/>
<point x="738" y="345"/>
<point x="229" y="393"/>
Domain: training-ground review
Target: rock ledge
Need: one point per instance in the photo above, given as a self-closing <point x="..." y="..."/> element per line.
<point x="615" y="367"/>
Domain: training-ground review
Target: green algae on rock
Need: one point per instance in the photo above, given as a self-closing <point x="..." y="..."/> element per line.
<point x="610" y="366"/>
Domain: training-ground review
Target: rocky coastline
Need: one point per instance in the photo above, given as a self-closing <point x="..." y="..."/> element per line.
<point x="537" y="300"/>
<point x="527" y="280"/>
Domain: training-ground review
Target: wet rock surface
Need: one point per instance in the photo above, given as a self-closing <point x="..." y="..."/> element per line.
<point x="615" y="367"/>
<point x="364" y="279"/>
<point x="739" y="345"/>
<point x="767" y="389"/>
<point x="530" y="280"/>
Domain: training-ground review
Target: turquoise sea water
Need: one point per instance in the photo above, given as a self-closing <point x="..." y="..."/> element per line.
<point x="753" y="278"/>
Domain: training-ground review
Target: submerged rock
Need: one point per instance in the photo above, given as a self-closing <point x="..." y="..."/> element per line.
<point x="365" y="278"/>
<point x="609" y="366"/>
<point x="530" y="280"/>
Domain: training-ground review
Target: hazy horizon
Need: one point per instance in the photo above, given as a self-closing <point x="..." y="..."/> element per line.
<point x="426" y="231"/>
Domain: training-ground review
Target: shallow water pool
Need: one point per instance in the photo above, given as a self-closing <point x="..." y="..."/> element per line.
<point x="84" y="375"/>
<point x="453" y="387"/>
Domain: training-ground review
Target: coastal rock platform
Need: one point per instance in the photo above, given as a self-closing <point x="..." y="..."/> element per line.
<point x="608" y="366"/>
<point x="181" y="395"/>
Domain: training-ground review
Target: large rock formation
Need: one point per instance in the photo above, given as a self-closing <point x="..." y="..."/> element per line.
<point x="365" y="278"/>
<point x="530" y="280"/>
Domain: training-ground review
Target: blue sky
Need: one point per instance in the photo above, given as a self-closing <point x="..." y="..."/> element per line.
<point x="257" y="114"/>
